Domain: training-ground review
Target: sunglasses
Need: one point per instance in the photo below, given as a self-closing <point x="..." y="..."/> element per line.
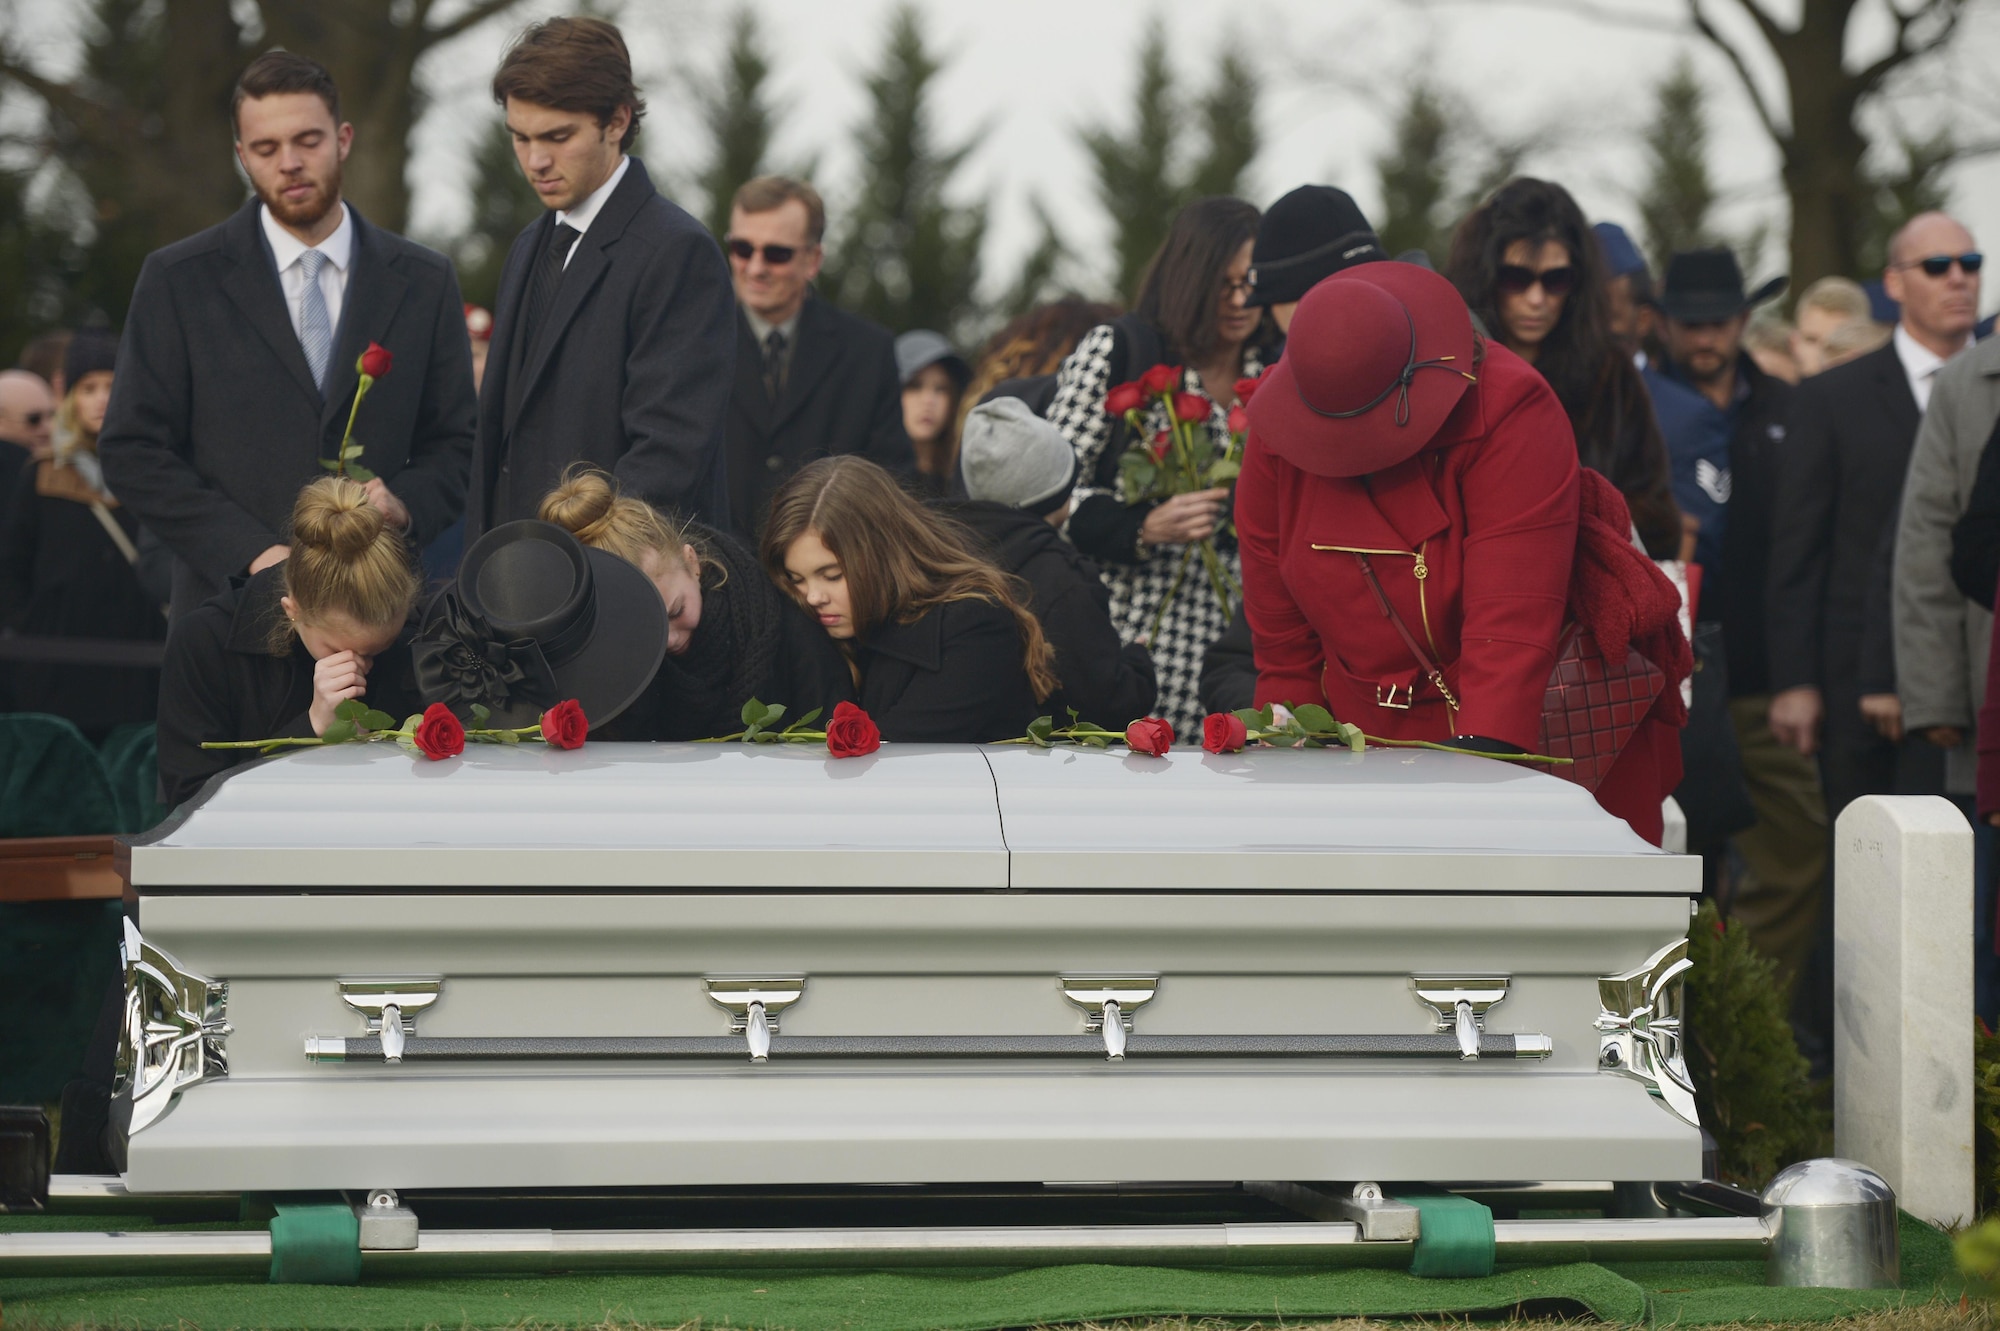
<point x="1937" y="265"/>
<point x="775" y="255"/>
<point x="1557" y="282"/>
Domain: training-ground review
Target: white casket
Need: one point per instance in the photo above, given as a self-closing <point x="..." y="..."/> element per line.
<point x="669" y="965"/>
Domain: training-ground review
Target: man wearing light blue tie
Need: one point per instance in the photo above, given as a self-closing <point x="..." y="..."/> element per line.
<point x="242" y="343"/>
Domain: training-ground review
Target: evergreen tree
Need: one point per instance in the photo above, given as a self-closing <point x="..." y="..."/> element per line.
<point x="1414" y="174"/>
<point x="907" y="257"/>
<point x="1147" y="174"/>
<point x="503" y="205"/>
<point x="1679" y="193"/>
<point x="1039" y="278"/>
<point x="740" y="118"/>
<point x="1916" y="185"/>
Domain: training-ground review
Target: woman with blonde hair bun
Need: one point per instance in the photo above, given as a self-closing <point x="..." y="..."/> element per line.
<point x="731" y="635"/>
<point x="275" y="654"/>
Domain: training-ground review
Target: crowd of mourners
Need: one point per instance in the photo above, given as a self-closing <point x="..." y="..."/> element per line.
<point x="665" y="477"/>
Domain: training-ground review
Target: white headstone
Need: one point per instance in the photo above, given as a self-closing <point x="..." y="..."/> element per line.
<point x="1903" y="1102"/>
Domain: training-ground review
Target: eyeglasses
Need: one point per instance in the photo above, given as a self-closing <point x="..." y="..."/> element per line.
<point x="1242" y="288"/>
<point x="775" y="255"/>
<point x="1556" y="282"/>
<point x="1937" y="265"/>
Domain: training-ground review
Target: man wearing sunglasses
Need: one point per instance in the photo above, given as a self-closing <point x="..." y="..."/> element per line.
<point x="611" y="337"/>
<point x="811" y="380"/>
<point x="27" y="421"/>
<point x="1941" y="638"/>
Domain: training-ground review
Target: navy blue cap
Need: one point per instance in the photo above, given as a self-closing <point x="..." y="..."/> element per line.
<point x="1621" y="256"/>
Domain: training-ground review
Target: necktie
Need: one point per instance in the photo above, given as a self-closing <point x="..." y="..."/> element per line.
<point x="548" y="276"/>
<point x="315" y="324"/>
<point x="774" y="363"/>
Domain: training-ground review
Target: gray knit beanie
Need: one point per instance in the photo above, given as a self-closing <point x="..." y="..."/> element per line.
<point x="1012" y="456"/>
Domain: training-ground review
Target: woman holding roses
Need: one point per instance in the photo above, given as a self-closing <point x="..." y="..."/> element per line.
<point x="731" y="635"/>
<point x="941" y="644"/>
<point x="275" y="655"/>
<point x="1191" y="336"/>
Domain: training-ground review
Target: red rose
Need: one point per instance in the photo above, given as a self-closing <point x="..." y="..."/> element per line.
<point x="1124" y="398"/>
<point x="1223" y="732"/>
<point x="564" y="725"/>
<point x="1161" y="379"/>
<point x="851" y="732"/>
<point x="375" y="361"/>
<point x="1150" y="735"/>
<point x="1191" y="407"/>
<point x="1239" y="421"/>
<point x="1247" y="388"/>
<point x="439" y="735"/>
<point x="1161" y="443"/>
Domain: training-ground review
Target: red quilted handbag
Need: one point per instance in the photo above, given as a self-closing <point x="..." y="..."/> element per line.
<point x="1591" y="709"/>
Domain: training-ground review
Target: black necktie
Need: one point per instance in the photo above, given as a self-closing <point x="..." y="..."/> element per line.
<point x="548" y="276"/>
<point x="774" y="363"/>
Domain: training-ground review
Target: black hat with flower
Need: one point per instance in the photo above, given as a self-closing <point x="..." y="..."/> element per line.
<point x="535" y="617"/>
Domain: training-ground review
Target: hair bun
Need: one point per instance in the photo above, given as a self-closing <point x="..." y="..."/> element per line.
<point x="584" y="499"/>
<point x="333" y="514"/>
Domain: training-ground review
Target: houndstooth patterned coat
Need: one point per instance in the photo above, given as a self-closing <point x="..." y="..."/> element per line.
<point x="1195" y="619"/>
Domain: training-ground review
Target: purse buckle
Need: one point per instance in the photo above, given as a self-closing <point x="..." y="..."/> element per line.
<point x="1385" y="696"/>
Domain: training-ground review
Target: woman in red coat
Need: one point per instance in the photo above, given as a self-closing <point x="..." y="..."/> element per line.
<point x="1391" y="442"/>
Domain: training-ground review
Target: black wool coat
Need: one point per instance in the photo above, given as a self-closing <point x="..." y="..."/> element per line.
<point x="953" y="675"/>
<point x="221" y="682"/>
<point x="1840" y="487"/>
<point x="215" y="422"/>
<point x="1107" y="682"/>
<point x="630" y="369"/>
<point x="841" y="395"/>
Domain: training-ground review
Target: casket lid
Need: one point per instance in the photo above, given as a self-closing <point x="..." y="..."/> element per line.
<point x="912" y="816"/>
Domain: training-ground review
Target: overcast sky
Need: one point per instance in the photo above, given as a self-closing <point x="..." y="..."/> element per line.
<point x="1025" y="74"/>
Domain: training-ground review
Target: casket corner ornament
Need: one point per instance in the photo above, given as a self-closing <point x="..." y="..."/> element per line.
<point x="173" y="1032"/>
<point x="1641" y="1028"/>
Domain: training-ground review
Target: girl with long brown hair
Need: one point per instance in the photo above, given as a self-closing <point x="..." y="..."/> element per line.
<point x="274" y="656"/>
<point x="731" y="635"/>
<point x="940" y="642"/>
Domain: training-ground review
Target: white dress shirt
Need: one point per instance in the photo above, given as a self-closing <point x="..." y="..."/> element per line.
<point x="586" y="212"/>
<point x="339" y="251"/>
<point x="1920" y="364"/>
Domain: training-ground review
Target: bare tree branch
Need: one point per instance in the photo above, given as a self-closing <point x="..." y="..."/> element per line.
<point x="468" y="20"/>
<point x="1766" y="25"/>
<point x="1901" y="52"/>
<point x="1699" y="17"/>
<point x="1593" y="12"/>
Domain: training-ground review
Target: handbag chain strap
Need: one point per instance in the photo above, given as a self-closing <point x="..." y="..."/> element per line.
<point x="1429" y="667"/>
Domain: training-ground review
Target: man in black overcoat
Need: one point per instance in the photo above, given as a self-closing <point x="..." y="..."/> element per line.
<point x="811" y="379"/>
<point x="612" y="338"/>
<point x="238" y="366"/>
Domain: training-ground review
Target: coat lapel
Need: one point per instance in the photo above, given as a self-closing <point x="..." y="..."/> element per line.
<point x="817" y="350"/>
<point x="374" y="290"/>
<point x="253" y="285"/>
<point x="585" y="270"/>
<point x="750" y="393"/>
<point x="1895" y="396"/>
<point x="500" y="354"/>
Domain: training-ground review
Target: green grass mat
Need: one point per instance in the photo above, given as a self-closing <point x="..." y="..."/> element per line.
<point x="1687" y="1294"/>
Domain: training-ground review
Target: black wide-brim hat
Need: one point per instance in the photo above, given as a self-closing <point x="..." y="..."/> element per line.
<point x="1706" y="287"/>
<point x="536" y="617"/>
<point x="1378" y="357"/>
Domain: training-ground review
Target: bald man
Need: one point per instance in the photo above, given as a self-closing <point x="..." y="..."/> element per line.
<point x="27" y="422"/>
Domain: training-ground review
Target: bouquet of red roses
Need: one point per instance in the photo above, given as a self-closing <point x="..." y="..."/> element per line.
<point x="1182" y="458"/>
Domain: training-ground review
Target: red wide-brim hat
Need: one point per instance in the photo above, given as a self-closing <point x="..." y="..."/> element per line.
<point x="1377" y="357"/>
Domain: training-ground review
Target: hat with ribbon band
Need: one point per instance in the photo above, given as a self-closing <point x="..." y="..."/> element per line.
<point x="1378" y="357"/>
<point x="535" y="617"/>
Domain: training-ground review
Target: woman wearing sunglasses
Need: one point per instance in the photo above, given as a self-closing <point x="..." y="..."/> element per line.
<point x="1529" y="267"/>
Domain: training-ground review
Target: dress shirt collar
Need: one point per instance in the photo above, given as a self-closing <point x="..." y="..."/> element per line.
<point x="1920" y="364"/>
<point x="286" y="247"/>
<point x="763" y="330"/>
<point x="586" y="212"/>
